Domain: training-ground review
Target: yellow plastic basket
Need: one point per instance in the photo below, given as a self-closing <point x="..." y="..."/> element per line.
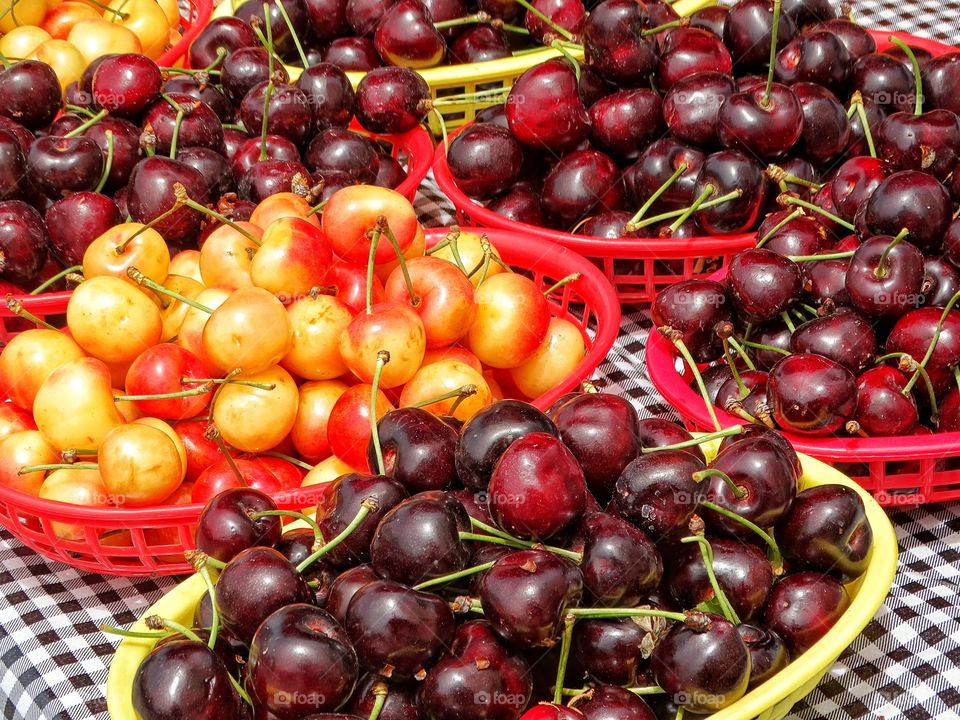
<point x="473" y="77"/>
<point x="770" y="701"/>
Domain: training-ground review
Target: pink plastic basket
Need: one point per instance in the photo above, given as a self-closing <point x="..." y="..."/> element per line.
<point x="194" y="16"/>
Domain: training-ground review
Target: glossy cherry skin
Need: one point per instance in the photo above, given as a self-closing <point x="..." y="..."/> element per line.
<point x="844" y="337"/>
<point x="767" y="130"/>
<point x="658" y="432"/>
<point x="928" y="142"/>
<point x="703" y="663"/>
<point x="229" y="33"/>
<point x="275" y="176"/>
<point x="609" y="702"/>
<point x="889" y="291"/>
<point x="339" y="505"/>
<point x="400" y="704"/>
<point x="197" y="88"/>
<point x="225" y="527"/>
<point x="657" y="493"/>
<point x="344" y="587"/>
<point x="126" y="85"/>
<point x="614" y="45"/>
<point x="610" y="649"/>
<point x="811" y="395"/>
<point x="818" y="57"/>
<point x="405" y="36"/>
<point x="803" y="607"/>
<point x="768" y="653"/>
<point x="620" y="566"/>
<point x="60" y="165"/>
<point x="742" y="570"/>
<point x="301" y="661"/>
<point x="762" y="284"/>
<point x="289" y="113"/>
<point x="691" y="106"/>
<point x="568" y="15"/>
<point x="418" y="449"/>
<point x="582" y="182"/>
<point x="913" y="333"/>
<point x="657" y="163"/>
<point x="337" y="150"/>
<point x="76" y="221"/>
<point x="246" y="68"/>
<point x="544" y="109"/>
<point x="418" y="540"/>
<point x="549" y="711"/>
<point x="392" y="626"/>
<point x="479" y="44"/>
<point x="749" y="30"/>
<point x="391" y="100"/>
<point x="693" y="308"/>
<point x="826" y="129"/>
<point x="13" y="166"/>
<point x="854" y="183"/>
<point x="688" y="51"/>
<point x="151" y="192"/>
<point x="479" y="677"/>
<point x="330" y="94"/>
<point x="184" y="674"/>
<point x="913" y="200"/>
<point x="255" y="583"/>
<point x="624" y="123"/>
<point x="31" y="93"/>
<point x="484" y="160"/>
<point x="486" y="436"/>
<point x="282" y="37"/>
<point x="940" y="76"/>
<point x="352" y="54"/>
<point x="525" y="596"/>
<point x="537" y="488"/>
<point x="800" y="236"/>
<point x="726" y="171"/>
<point x="883" y="79"/>
<point x="23" y="242"/>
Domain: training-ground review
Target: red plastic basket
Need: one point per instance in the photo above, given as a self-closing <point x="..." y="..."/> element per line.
<point x="414" y="149"/>
<point x="637" y="267"/>
<point x="46" y="306"/>
<point x="194" y="16"/>
<point x="590" y="302"/>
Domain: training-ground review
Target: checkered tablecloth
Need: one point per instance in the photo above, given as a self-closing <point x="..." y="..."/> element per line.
<point x="906" y="664"/>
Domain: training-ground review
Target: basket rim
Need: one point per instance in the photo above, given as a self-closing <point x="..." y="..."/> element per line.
<point x="194" y="26"/>
<point x="872" y="589"/>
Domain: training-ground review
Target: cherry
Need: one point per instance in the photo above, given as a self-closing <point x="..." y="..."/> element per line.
<point x="610" y="224"/>
<point x="398" y="631"/>
<point x="214" y="167"/>
<point x="225" y="527"/>
<point x="762" y="284"/>
<point x="352" y="54"/>
<point x="76" y="221"/>
<point x="567" y="14"/>
<point x="609" y="702"/>
<point x="884" y="80"/>
<point x="703" y="663"/>
<point x="768" y="653"/>
<point x="288" y="111"/>
<point x="390" y="173"/>
<point x="817" y="56"/>
<point x="247" y="154"/>
<point x="582" y="182"/>
<point x="913" y="200"/>
<point x="525" y="596"/>
<point x="442" y="10"/>
<point x="688" y="51"/>
<point x="246" y="68"/>
<point x="811" y="395"/>
<point x="940" y="76"/>
<point x="479" y="677"/>
<point x="485" y="160"/>
<point x="691" y="106"/>
<point x="400" y="703"/>
<point x="364" y="15"/>
<point x="928" y="142"/>
<point x="151" y="193"/>
<point x="766" y="122"/>
<point x="943" y="280"/>
<point x="854" y="183"/>
<point x="486" y="436"/>
<point x="913" y="333"/>
<point x="344" y="587"/>
<point x="282" y="35"/>
<point x="620" y="566"/>
<point x="13" y="166"/>
<point x="544" y="109"/>
<point x="845" y="337"/>
<point x="418" y="449"/>
<point x="392" y="100"/>
<point x="519" y="204"/>
<point x="270" y="177"/>
<point x="856" y="38"/>
<point x="479" y="44"/>
<point x="748" y="33"/>
<point x="657" y="493"/>
<point x="338" y="150"/>
<point x="803" y="607"/>
<point x="614" y="45"/>
<point x="23" y="243"/>
<point x="126" y="85"/>
<point x="625" y="122"/>
<point x="222" y="35"/>
<point x="184" y="673"/>
<point x="233" y="140"/>
<point x="885" y="277"/>
<point x="406" y="36"/>
<point x="610" y="650"/>
<point x="301" y="661"/>
<point x="725" y="172"/>
<point x="60" y="165"/>
<point x="693" y="308"/>
<point x="657" y="432"/>
<point x="550" y="711"/>
<point x="788" y="234"/>
<point x="656" y="165"/>
<point x="858" y="139"/>
<point x="339" y="505"/>
<point x="199" y="88"/>
<point x="31" y="93"/>
<point x="826" y="130"/>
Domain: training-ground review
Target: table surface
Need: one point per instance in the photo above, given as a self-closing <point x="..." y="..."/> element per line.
<point x="906" y="664"/>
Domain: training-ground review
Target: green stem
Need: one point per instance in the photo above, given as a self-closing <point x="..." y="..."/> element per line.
<point x="917" y="81"/>
<point x="932" y="346"/>
<point x="156" y="622"/>
<point x="264" y="123"/>
<point x="460" y="392"/>
<point x="59" y="276"/>
<point x="317" y="532"/>
<point x="790" y="217"/>
<point x="293" y="34"/>
<point x="290" y="459"/>
<point x="175" y="137"/>
<point x="856" y="103"/>
<point x="414" y="298"/>
<point x="785" y="316"/>
<point x="881" y="270"/>
<point x="380" y="692"/>
<point x="776" y="559"/>
<point x="785" y="199"/>
<point x="17" y="308"/>
<point x="600" y="613"/>
<point x="732" y="195"/>
<point x="692" y="364"/>
<point x="558" y="46"/>
<point x="202" y="390"/>
<point x="57" y="466"/>
<point x="774" y="31"/>
<point x="562" y="32"/>
<point x="139" y="634"/>
<point x="368" y="506"/>
<point x="631" y="226"/>
<point x="742" y="390"/>
<point x="140" y="279"/>
<point x="742" y="352"/>
<point x="517" y="544"/>
<point x="572" y="277"/>
<point x="706" y="552"/>
<point x="700" y="440"/>
<point x="707" y="191"/>
<point x="107" y="164"/>
<point x="231" y="381"/>
<point x="86" y="112"/>
<point x="679" y="22"/>
<point x="565" y="643"/>
<point x="455" y="576"/>
<point x="738" y="492"/>
<point x="761" y="346"/>
<point x="182" y="196"/>
<point x="80" y="129"/>
<point x="215" y="622"/>
<point x="383" y="357"/>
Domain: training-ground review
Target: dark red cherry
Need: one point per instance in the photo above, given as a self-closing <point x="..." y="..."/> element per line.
<point x="624" y="123"/>
<point x="76" y="221"/>
<point x="725" y="172"/>
<point x="854" y="183"/>
<point x="183" y="674"/>
<point x="749" y="30"/>
<point x="199" y="127"/>
<point x="581" y="183"/>
<point x="609" y="702"/>
<point x="288" y="111"/>
<point x="858" y="139"/>
<point x="826" y="130"/>
<point x="855" y="37"/>
<point x="620" y="566"/>
<point x="765" y="125"/>
<point x="479" y="43"/>
<point x="57" y="166"/>
<point x="151" y="193"/>
<point x="390" y="173"/>
<point x="282" y="35"/>
<point x="275" y="176"/>
<point x="544" y="109"/>
<point x="885" y="279"/>
<point x="913" y="334"/>
<point x="928" y="142"/>
<point x="13" y="166"/>
<point x="657" y="164"/>
<point x="801" y="235"/>
<point x="567" y="14"/>
<point x="31" y="93"/>
<point x="328" y="19"/>
<point x="693" y="308"/>
<point x="941" y="282"/>
<point x="818" y="57"/>
<point x="762" y="284"/>
<point x="845" y="337"/>
<point x="940" y="78"/>
<point x="201" y="89"/>
<point x="344" y="587"/>
<point x="519" y="204"/>
<point x="248" y="154"/>
<point x="525" y="596"/>
<point x="691" y="106"/>
<point x="689" y="51"/>
<point x="126" y="85"/>
<point x="357" y="54"/>
<point x="338" y="150"/>
<point x="614" y="45"/>
<point x="755" y="403"/>
<point x="392" y="100"/>
<point x="400" y="704"/>
<point x="913" y="200"/>
<point x="418" y="449"/>
<point x="225" y="527"/>
<point x="768" y="653"/>
<point x="484" y="160"/>
<point x="803" y="607"/>
<point x="884" y="80"/>
<point x="405" y="36"/>
<point x="811" y="395"/>
<point x="657" y="432"/>
<point x="223" y="35"/>
<point x="214" y="167"/>
<point x="23" y="243"/>
<point x="807" y="12"/>
<point x="712" y="18"/>
<point x="246" y="68"/>
<point x="611" y="650"/>
<point x="330" y="94"/>
<point x="364" y="15"/>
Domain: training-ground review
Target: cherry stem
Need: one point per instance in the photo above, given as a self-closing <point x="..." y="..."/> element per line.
<point x="180" y="193"/>
<point x="59" y="276"/>
<point x="779" y="175"/>
<point x="222" y="53"/>
<point x="742" y="352"/>
<point x="601" y="612"/>
<point x="776" y="559"/>
<point x="678" y="343"/>
<point x="559" y="47"/>
<point x="367" y="506"/>
<point x="17" y="308"/>
<point x="699" y="440"/>
<point x="856" y="105"/>
<point x="203" y="389"/>
<point x="192" y="556"/>
<point x="232" y="381"/>
<point x="380" y="693"/>
<point x="648" y="690"/>
<point x="708" y="190"/>
<point x="462" y="392"/>
<point x="289" y="458"/>
<point x="139" y="634"/>
<point x="204" y="572"/>
<point x="57" y="466"/>
<point x="213" y="433"/>
<point x="317" y="532"/>
<point x="414" y="298"/>
<point x="917" y="82"/>
<point x="563" y="32"/>
<point x="706" y="552"/>
<point x="774" y="32"/>
<point x="790" y="217"/>
<point x="70" y="455"/>
<point x="267" y="95"/>
<point x="679" y="22"/>
<point x="374" y="241"/>
<point x="80" y="129"/>
<point x="881" y="270"/>
<point x="785" y="316"/>
<point x="452" y="235"/>
<point x="732" y="195"/>
<point x="86" y="112"/>
<point x="155" y="622"/>
<point x="175" y="137"/>
<point x="442" y="122"/>
<point x="742" y="390"/>
<point x="572" y="277"/>
<point x="122" y="247"/>
<point x="269" y="31"/>
<point x="140" y="279"/>
<point x="108" y="163"/>
<point x="787" y="199"/>
<point x="738" y="492"/>
<point x="932" y="346"/>
<point x="565" y="643"/>
<point x="383" y="357"/>
<point x="518" y="544"/>
<point x="476" y="18"/>
<point x="491" y="530"/>
<point x="825" y="256"/>
<point x="455" y="576"/>
<point x="293" y="33"/>
<point x="767" y="348"/>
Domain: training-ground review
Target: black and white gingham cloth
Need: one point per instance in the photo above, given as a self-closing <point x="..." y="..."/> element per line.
<point x="906" y="664"/>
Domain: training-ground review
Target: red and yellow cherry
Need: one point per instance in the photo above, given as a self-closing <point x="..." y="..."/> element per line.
<point x="512" y="320"/>
<point x="61" y="18"/>
<point x="348" y="428"/>
<point x="112" y="319"/>
<point x="309" y="433"/>
<point x="442" y="377"/>
<point x="77" y="487"/>
<point x="92" y="37"/>
<point x="444" y="298"/>
<point x="293" y="258"/>
<point x="187" y="264"/>
<point x="416" y="249"/>
<point x="221" y="476"/>
<point x="194" y="320"/>
<point x="63" y="57"/>
<point x="74" y="406"/>
<point x="471" y="249"/>
<point x="227" y="254"/>
<point x="14" y="419"/>
<point x="557" y="357"/>
<point x="351" y="284"/>
<point x="29" y="358"/>
<point x="389" y="326"/>
<point x="125" y="246"/>
<point x="173" y="311"/>
<point x="26" y="12"/>
<point x="139" y="465"/>
<point x="25" y="449"/>
<point x="168" y="430"/>
<point x="202" y="452"/>
<point x="351" y="215"/>
<point x="452" y="352"/>
<point x="160" y="370"/>
<point x="146" y="20"/>
<point x="249" y="331"/>
<point x="282" y="205"/>
<point x="254" y="419"/>
<point x="316" y="325"/>
<point x="23" y="40"/>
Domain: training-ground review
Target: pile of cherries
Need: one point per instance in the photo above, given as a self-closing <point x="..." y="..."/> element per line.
<point x="129" y="132"/>
<point x="741" y="119"/>
<point x="670" y="583"/>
